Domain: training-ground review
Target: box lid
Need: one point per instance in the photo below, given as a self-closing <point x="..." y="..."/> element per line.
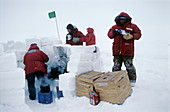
<point x="110" y="76"/>
<point x="90" y="76"/>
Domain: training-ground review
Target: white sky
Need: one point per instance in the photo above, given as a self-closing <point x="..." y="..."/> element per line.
<point x="20" y="19"/>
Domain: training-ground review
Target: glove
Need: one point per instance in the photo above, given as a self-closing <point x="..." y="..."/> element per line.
<point x="128" y="36"/>
<point x="117" y="31"/>
<point x="76" y="40"/>
<point x="68" y="37"/>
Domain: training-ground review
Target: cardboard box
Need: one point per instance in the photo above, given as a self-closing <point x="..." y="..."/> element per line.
<point x="84" y="82"/>
<point x="113" y="87"/>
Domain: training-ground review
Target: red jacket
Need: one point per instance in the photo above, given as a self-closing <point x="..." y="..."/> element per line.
<point x="34" y="60"/>
<point x="120" y="45"/>
<point x="90" y="37"/>
<point x="76" y="34"/>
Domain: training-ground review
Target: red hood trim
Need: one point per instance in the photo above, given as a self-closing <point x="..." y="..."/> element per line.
<point x="90" y="30"/>
<point x="124" y="14"/>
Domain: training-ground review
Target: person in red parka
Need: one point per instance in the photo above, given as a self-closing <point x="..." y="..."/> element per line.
<point x="74" y="37"/>
<point x="34" y="61"/>
<point x="124" y="33"/>
<point x="90" y="37"/>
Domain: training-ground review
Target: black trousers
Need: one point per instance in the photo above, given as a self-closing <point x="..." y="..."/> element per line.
<point x="128" y="62"/>
<point x="31" y="80"/>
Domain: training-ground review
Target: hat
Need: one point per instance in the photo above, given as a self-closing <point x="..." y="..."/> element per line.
<point x="70" y="26"/>
<point x="34" y="44"/>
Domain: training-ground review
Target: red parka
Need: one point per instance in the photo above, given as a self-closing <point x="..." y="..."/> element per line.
<point x="120" y="45"/>
<point x="34" y="60"/>
<point x="77" y="34"/>
<point x="90" y="37"/>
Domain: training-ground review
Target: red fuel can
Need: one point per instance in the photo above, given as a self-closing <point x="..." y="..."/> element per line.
<point x="94" y="98"/>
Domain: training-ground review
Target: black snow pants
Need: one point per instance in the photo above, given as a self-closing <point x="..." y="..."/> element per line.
<point x="128" y="62"/>
<point x="31" y="80"/>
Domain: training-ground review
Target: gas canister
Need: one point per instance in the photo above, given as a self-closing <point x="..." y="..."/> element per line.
<point x="94" y="98"/>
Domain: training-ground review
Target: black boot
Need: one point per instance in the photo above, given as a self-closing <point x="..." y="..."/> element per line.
<point x="45" y="89"/>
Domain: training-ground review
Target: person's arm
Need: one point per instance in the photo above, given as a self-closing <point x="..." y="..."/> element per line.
<point x="136" y="33"/>
<point x="24" y="59"/>
<point x="44" y="56"/>
<point x="82" y="37"/>
<point x="112" y="33"/>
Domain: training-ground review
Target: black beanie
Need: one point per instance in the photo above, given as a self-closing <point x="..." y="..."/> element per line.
<point x="70" y="26"/>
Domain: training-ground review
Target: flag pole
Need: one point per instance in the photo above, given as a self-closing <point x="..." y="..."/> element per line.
<point x="57" y="28"/>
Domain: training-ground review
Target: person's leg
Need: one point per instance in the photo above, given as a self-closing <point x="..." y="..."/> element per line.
<point x="117" y="63"/>
<point x="128" y="61"/>
<point x="31" y="87"/>
<point x="44" y="84"/>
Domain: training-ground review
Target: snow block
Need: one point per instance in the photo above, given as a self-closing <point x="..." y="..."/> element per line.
<point x="8" y="62"/>
<point x="69" y="93"/>
<point x="32" y="40"/>
<point x="13" y="97"/>
<point x="46" y="41"/>
<point x="67" y="81"/>
<point x="67" y="84"/>
<point x="60" y="49"/>
<point x="20" y="55"/>
<point x="90" y="49"/>
<point x="19" y="46"/>
<point x="77" y="49"/>
<point x="84" y="66"/>
<point x="12" y="80"/>
<point x="55" y="40"/>
<point x="73" y="65"/>
<point x="97" y="64"/>
<point x="87" y="57"/>
<point x="9" y="47"/>
<point x="20" y="58"/>
<point x="45" y="98"/>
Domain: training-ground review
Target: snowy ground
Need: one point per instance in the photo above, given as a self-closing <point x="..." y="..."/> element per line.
<point x="152" y="52"/>
<point x="151" y="93"/>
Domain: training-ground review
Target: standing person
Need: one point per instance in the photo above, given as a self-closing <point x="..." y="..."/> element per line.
<point x="90" y="37"/>
<point x="124" y="33"/>
<point x="74" y="37"/>
<point x="34" y="61"/>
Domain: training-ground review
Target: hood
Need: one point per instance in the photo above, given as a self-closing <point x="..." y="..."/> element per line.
<point x="90" y="30"/>
<point x="33" y="47"/>
<point x="123" y="14"/>
<point x="75" y="30"/>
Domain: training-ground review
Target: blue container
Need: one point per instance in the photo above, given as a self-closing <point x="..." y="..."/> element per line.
<point x="45" y="98"/>
<point x="59" y="93"/>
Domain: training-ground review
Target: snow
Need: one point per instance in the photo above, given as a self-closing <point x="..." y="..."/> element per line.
<point x="7" y="62"/>
<point x="27" y="23"/>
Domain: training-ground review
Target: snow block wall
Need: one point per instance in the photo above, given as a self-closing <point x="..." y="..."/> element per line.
<point x="48" y="47"/>
<point x="12" y="82"/>
<point x="82" y="59"/>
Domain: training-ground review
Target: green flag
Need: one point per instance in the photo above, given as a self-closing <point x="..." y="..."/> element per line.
<point x="51" y="14"/>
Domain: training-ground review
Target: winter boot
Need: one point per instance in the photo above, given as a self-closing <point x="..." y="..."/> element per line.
<point x="45" y="89"/>
<point x="132" y="82"/>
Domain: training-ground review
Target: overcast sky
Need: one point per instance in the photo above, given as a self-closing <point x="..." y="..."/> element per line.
<point x="21" y="19"/>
